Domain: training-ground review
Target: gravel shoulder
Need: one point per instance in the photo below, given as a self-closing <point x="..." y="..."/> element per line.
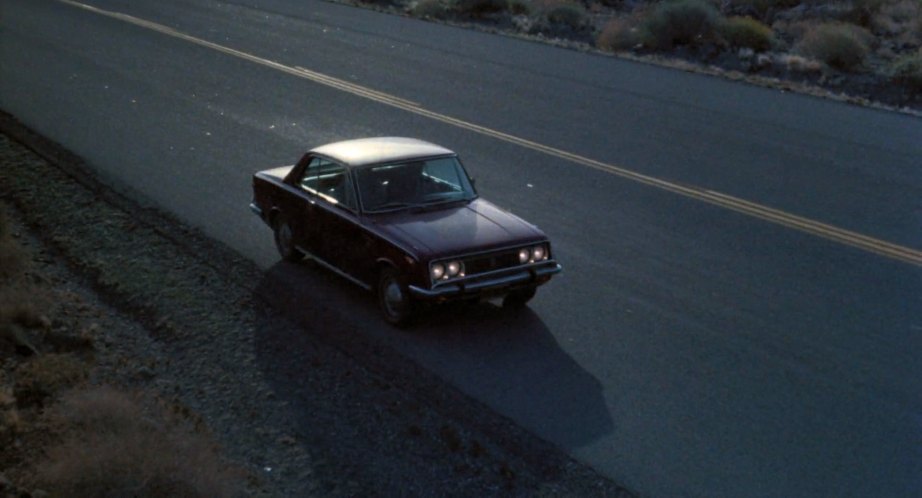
<point x="303" y="411"/>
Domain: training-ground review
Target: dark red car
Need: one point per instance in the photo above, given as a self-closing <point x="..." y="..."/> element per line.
<point x="401" y="217"/>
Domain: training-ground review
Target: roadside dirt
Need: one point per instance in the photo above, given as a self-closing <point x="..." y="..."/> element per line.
<point x="186" y="326"/>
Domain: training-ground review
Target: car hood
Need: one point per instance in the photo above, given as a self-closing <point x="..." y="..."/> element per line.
<point x="477" y="226"/>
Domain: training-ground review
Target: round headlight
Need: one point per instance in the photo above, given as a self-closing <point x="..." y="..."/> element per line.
<point x="438" y="271"/>
<point x="453" y="268"/>
<point x="538" y="253"/>
<point x="524" y="256"/>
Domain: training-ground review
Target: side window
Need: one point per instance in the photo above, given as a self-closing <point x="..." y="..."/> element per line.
<point x="330" y="181"/>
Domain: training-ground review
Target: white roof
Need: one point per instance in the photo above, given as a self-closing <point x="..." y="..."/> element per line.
<point x="362" y="151"/>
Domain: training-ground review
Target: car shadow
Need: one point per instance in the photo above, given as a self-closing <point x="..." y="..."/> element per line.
<point x="504" y="358"/>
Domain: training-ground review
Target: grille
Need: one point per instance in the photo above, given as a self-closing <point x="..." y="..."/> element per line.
<point x="493" y="261"/>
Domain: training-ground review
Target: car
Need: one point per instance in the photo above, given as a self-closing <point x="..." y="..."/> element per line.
<point x="401" y="217"/>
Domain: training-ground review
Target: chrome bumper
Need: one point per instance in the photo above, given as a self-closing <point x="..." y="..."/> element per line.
<point x="498" y="281"/>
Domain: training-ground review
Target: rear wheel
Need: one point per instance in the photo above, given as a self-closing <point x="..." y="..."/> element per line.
<point x="519" y="298"/>
<point x="285" y="241"/>
<point x="394" y="298"/>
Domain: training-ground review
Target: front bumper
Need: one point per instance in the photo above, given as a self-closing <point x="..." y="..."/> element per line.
<point x="494" y="282"/>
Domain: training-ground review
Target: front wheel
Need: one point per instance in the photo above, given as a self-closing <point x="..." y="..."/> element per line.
<point x="285" y="240"/>
<point x="394" y="298"/>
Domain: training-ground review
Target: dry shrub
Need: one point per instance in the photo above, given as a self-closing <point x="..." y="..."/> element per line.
<point x="681" y="22"/>
<point x="619" y="34"/>
<point x="111" y="447"/>
<point x="793" y="30"/>
<point x="569" y="15"/>
<point x="862" y="12"/>
<point x="44" y="375"/>
<point x="9" y="416"/>
<point x="907" y="71"/>
<point x="432" y="9"/>
<point x="746" y="32"/>
<point x="25" y="304"/>
<point x="519" y="7"/>
<point x="480" y="8"/>
<point x="13" y="258"/>
<point x="838" y="45"/>
<point x="764" y="9"/>
<point x="901" y="19"/>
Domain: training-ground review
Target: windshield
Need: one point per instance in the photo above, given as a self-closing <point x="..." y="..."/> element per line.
<point x="416" y="183"/>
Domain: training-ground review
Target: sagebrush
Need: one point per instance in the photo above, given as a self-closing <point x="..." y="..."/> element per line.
<point x="907" y="71"/>
<point x="619" y="34"/>
<point x="840" y="46"/>
<point x="746" y="32"/>
<point x="681" y="22"/>
<point x="111" y="446"/>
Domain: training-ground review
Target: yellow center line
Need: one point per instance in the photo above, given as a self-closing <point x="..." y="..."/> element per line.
<point x="840" y="235"/>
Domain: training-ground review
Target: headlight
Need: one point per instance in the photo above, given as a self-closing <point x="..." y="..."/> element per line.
<point x="533" y="254"/>
<point x="446" y="270"/>
<point x="524" y="256"/>
<point x="538" y="253"/>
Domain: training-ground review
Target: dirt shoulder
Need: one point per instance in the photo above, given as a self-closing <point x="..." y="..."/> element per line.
<point x="177" y="323"/>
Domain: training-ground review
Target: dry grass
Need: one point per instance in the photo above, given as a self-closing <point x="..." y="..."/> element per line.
<point x="901" y="20"/>
<point x="10" y="422"/>
<point x="44" y="375"/>
<point x="112" y="446"/>
<point x="840" y="46"/>
<point x="907" y="71"/>
<point x="570" y="15"/>
<point x="682" y="22"/>
<point x="619" y="34"/>
<point x="746" y="32"/>
<point x="430" y="9"/>
<point x="25" y="304"/>
<point x="13" y="259"/>
<point x="21" y="301"/>
<point x="96" y="442"/>
<point x="479" y="8"/>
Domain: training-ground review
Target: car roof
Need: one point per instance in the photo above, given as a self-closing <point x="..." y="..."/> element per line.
<point x="364" y="151"/>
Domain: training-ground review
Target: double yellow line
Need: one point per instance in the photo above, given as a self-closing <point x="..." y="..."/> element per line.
<point x="847" y="237"/>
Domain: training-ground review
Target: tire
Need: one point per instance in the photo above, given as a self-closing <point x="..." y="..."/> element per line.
<point x="394" y="298"/>
<point x="519" y="298"/>
<point x="284" y="240"/>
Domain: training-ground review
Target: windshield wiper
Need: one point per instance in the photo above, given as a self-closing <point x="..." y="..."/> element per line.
<point x="392" y="206"/>
<point x="448" y="201"/>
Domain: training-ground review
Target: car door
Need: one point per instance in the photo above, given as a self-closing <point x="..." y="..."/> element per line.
<point x="335" y="216"/>
<point x="307" y="217"/>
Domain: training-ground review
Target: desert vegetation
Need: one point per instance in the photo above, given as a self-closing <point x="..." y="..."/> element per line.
<point x="63" y="436"/>
<point x="869" y="48"/>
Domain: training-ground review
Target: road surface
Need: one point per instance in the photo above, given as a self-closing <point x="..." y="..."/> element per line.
<point x="740" y="312"/>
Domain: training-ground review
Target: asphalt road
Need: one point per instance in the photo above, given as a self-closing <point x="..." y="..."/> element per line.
<point x="688" y="349"/>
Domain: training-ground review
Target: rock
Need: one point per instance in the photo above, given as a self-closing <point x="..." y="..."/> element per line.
<point x="746" y="54"/>
<point x="762" y="61"/>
